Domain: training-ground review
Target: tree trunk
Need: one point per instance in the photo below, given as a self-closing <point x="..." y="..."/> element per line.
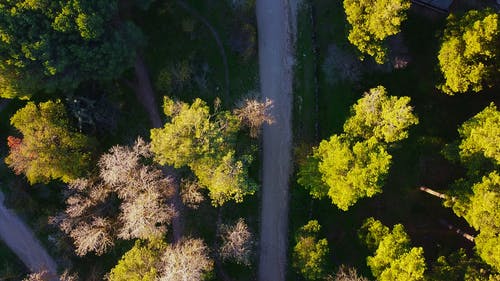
<point x="433" y="192"/>
<point x="457" y="230"/>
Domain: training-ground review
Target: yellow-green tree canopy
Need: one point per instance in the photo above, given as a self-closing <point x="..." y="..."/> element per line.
<point x="139" y="263"/>
<point x="378" y="115"/>
<point x="353" y="165"/>
<point x="309" y="253"/>
<point x="206" y="143"/>
<point x="394" y="259"/>
<point x="352" y="171"/>
<point x="481" y="134"/>
<point x="483" y="213"/>
<point x="57" y="44"/>
<point x="187" y="260"/>
<point x="49" y="148"/>
<point x="372" y="21"/>
<point x="477" y="197"/>
<point x="468" y="57"/>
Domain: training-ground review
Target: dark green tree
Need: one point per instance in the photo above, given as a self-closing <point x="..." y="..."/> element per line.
<point x="55" y="45"/>
<point x="459" y="266"/>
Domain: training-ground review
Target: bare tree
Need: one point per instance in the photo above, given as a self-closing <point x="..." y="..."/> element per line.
<point x="117" y="167"/>
<point x="93" y="237"/>
<point x="84" y="219"/>
<point x="128" y="200"/>
<point x="67" y="276"/>
<point x="346" y="273"/>
<point x="190" y="194"/>
<point x="237" y="242"/>
<point x="46" y="276"/>
<point x="38" y="276"/>
<point x="187" y="260"/>
<point x="145" y="216"/>
<point x="254" y="114"/>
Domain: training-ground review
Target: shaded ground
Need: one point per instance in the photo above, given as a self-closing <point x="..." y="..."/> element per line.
<point x="276" y="62"/>
<point x="21" y="240"/>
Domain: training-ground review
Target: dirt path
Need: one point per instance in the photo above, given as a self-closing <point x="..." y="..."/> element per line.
<point x="217" y="39"/>
<point x="276" y="75"/>
<point x="146" y="96"/>
<point x="21" y="240"/>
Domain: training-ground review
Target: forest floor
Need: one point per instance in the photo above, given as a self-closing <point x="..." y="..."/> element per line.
<point x="274" y="20"/>
<point x="21" y="240"/>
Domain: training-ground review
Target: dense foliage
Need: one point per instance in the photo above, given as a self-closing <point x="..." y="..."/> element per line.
<point x="394" y="259"/>
<point x="156" y="260"/>
<point x="469" y="53"/>
<point x="309" y="253"/>
<point x="51" y="45"/>
<point x="387" y="118"/>
<point x="206" y="143"/>
<point x="372" y="22"/>
<point x="481" y="135"/>
<point x="139" y="263"/>
<point x="49" y="149"/>
<point x="353" y="165"/>
<point x="477" y="197"/>
<point x="349" y="171"/>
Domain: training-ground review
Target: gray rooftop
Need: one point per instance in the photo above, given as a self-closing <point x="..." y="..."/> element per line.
<point x="443" y="5"/>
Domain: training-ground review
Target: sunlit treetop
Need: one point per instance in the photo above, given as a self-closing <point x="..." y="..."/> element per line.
<point x="206" y="143"/>
<point x="469" y="53"/>
<point x="481" y="134"/>
<point x="372" y="22"/>
<point x="49" y="148"/>
<point x="387" y="118"/>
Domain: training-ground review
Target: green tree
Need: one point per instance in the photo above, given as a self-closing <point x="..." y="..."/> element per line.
<point x="394" y="259"/>
<point x="372" y="21"/>
<point x="49" y="148"/>
<point x="387" y="118"/>
<point x="353" y="165"/>
<point x="481" y="134"/>
<point x="459" y="266"/>
<point x="482" y="211"/>
<point x="310" y="252"/>
<point x="50" y="45"/>
<point x="477" y="197"/>
<point x="349" y="170"/>
<point x="469" y="53"/>
<point x="139" y="263"/>
<point x="206" y="143"/>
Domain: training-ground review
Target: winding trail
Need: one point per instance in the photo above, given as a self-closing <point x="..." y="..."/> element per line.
<point x="146" y="96"/>
<point x="276" y="23"/>
<point x="21" y="240"/>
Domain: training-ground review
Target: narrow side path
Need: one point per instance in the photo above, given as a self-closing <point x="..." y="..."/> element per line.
<point x="146" y="96"/>
<point x="21" y="240"/>
<point x="275" y="24"/>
